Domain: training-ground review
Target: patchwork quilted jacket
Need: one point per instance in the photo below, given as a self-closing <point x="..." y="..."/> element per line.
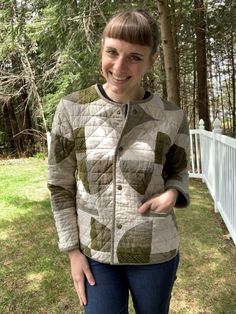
<point x="105" y="160"/>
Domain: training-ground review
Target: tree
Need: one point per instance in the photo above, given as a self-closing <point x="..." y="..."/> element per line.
<point x="201" y="60"/>
<point x="168" y="51"/>
<point x="51" y="48"/>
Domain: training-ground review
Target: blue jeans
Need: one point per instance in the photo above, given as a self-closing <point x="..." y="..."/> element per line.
<point x="150" y="287"/>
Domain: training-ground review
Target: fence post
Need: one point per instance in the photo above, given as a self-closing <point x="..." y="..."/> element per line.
<point x="216" y="130"/>
<point x="217" y="126"/>
<point x="201" y="124"/>
<point x="201" y="127"/>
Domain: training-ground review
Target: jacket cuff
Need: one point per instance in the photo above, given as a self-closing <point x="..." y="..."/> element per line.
<point x="68" y="249"/>
<point x="183" y="198"/>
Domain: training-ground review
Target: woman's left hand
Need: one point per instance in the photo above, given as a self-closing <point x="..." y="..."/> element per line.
<point x="160" y="203"/>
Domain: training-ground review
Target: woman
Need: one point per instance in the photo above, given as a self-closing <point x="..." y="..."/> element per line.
<point x="117" y="167"/>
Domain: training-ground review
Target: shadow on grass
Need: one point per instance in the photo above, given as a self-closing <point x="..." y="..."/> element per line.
<point x="34" y="274"/>
<point x="206" y="279"/>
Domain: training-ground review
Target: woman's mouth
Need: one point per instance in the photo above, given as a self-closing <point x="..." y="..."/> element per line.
<point x="119" y="78"/>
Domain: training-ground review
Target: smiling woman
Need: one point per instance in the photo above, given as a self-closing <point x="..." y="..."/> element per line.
<point x="128" y="53"/>
<point x="123" y="67"/>
<point x="118" y="164"/>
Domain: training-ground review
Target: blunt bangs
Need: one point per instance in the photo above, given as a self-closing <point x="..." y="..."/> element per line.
<point x="132" y="27"/>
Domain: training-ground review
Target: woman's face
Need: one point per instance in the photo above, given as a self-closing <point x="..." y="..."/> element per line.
<point x="123" y="66"/>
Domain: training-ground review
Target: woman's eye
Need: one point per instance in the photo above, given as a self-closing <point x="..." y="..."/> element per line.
<point x="111" y="53"/>
<point x="135" y="58"/>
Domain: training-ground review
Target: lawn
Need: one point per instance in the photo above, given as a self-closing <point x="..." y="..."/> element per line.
<point x="35" y="276"/>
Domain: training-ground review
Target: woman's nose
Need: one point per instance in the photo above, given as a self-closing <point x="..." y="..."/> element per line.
<point x="120" y="64"/>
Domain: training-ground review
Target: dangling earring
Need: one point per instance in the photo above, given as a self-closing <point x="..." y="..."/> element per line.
<point x="102" y="76"/>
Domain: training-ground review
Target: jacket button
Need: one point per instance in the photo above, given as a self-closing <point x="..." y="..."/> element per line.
<point x="119" y="226"/>
<point x="135" y="111"/>
<point x="120" y="148"/>
<point x="118" y="112"/>
<point x="119" y="187"/>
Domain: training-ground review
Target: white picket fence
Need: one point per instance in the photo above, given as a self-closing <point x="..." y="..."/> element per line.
<point x="213" y="159"/>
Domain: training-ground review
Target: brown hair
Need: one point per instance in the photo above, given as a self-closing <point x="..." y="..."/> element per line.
<point x="136" y="26"/>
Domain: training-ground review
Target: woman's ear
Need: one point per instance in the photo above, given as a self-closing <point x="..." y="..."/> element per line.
<point x="154" y="57"/>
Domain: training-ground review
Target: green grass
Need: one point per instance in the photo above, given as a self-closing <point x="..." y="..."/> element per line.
<point x="35" y="276"/>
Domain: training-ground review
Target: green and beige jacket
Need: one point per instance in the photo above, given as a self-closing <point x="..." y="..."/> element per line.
<point x="105" y="160"/>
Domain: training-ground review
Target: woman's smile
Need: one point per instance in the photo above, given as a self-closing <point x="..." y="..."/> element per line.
<point x="119" y="79"/>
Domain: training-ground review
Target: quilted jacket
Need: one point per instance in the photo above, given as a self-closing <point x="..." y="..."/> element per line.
<point x="105" y="160"/>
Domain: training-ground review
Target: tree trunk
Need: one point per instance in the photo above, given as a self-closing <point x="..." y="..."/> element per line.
<point x="194" y="90"/>
<point x="35" y="96"/>
<point x="13" y="129"/>
<point x="8" y="141"/>
<point x="168" y="52"/>
<point x="28" y="137"/>
<point x="176" y="47"/>
<point x="162" y="75"/>
<point x="233" y="82"/>
<point x="202" y="90"/>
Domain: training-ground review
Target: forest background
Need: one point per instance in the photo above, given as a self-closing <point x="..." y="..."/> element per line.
<point x="52" y="48"/>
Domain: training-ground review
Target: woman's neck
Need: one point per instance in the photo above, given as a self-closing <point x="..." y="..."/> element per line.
<point x="120" y="98"/>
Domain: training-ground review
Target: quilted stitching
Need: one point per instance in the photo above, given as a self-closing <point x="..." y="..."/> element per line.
<point x="119" y="163"/>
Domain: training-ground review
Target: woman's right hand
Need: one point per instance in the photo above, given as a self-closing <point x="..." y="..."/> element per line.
<point x="80" y="271"/>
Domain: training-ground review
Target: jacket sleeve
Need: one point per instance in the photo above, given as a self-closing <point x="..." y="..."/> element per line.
<point x="62" y="179"/>
<point x="176" y="166"/>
